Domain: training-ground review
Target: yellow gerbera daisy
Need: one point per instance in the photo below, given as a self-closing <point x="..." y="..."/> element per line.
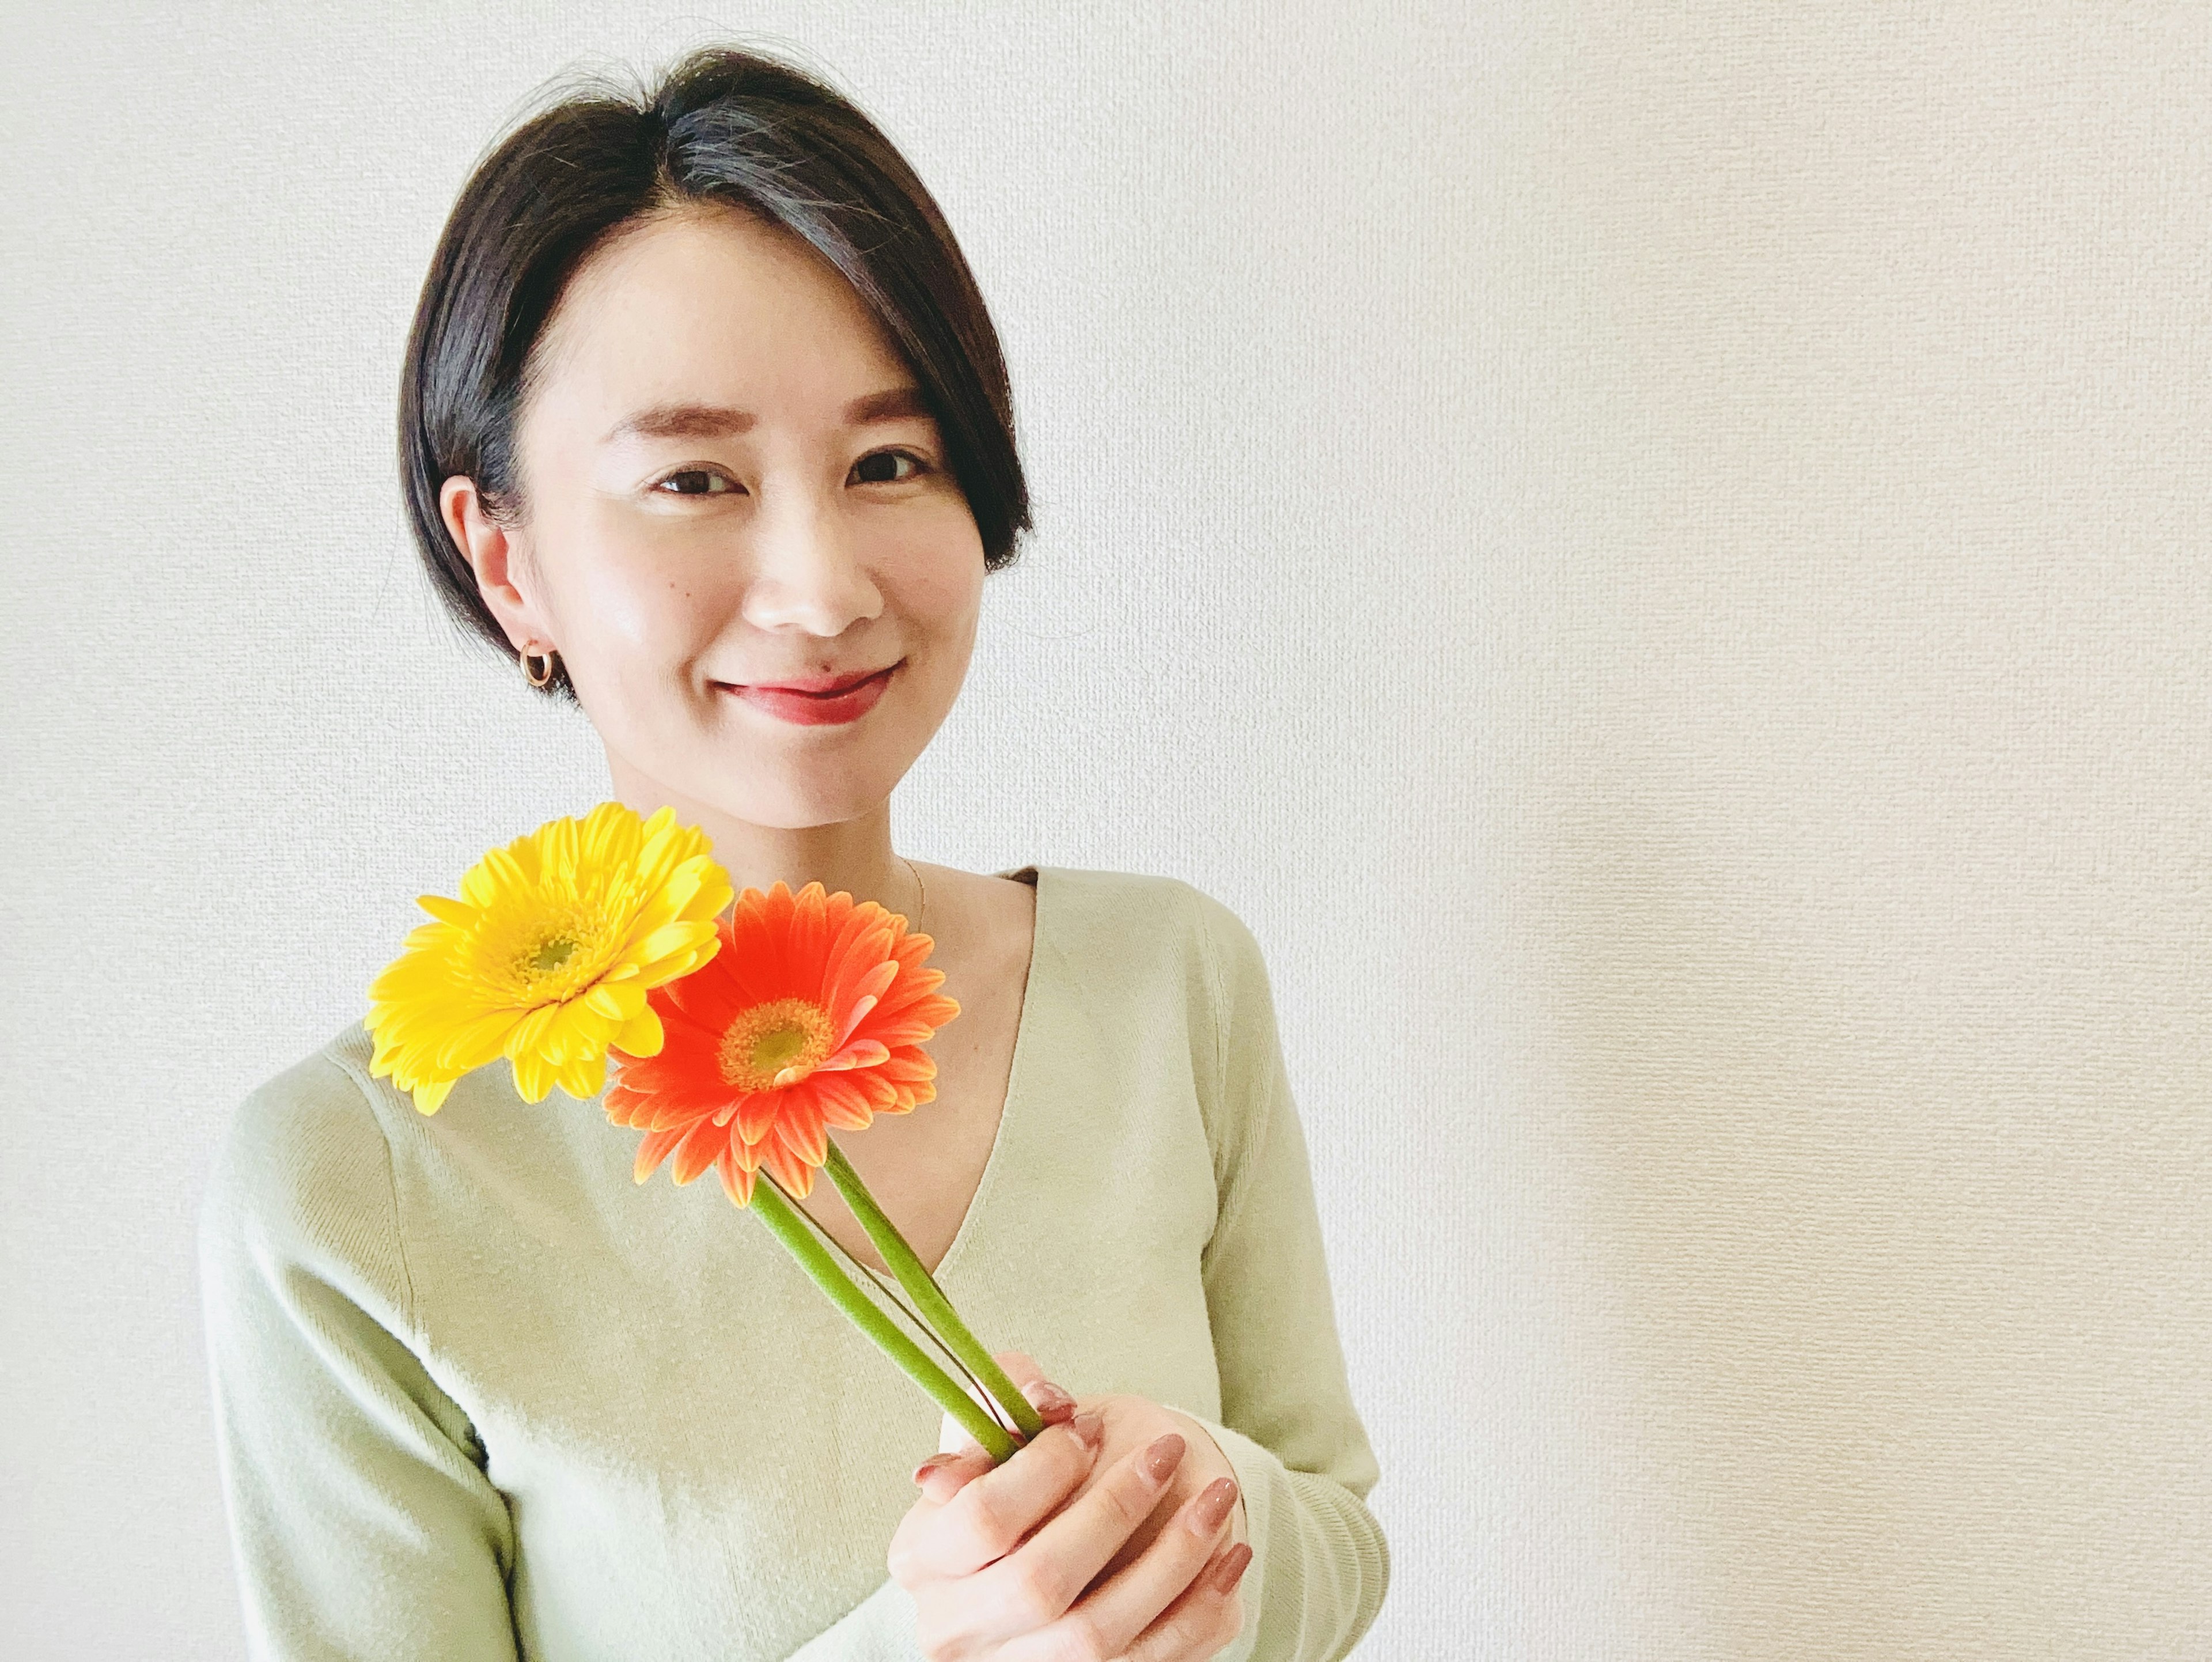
<point x="547" y="957"/>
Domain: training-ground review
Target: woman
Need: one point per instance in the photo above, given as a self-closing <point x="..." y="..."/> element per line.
<point x="703" y="417"/>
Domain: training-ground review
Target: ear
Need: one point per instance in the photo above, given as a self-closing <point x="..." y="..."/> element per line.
<point x="498" y="556"/>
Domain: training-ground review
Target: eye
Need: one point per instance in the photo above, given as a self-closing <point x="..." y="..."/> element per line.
<point x="869" y="469"/>
<point x="696" y="482"/>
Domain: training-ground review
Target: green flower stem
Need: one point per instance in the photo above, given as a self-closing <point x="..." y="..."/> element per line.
<point x="776" y="1212"/>
<point x="921" y="1287"/>
<point x="868" y="1281"/>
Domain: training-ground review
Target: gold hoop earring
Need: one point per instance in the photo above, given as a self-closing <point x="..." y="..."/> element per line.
<point x="526" y="655"/>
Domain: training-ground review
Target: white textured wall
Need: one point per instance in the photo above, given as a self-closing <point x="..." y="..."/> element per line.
<point x="1657" y="553"/>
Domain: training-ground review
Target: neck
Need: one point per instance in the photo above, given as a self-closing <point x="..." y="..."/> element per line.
<point x="854" y="857"/>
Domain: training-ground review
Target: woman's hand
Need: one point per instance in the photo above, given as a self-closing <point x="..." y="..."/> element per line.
<point x="1126" y="1551"/>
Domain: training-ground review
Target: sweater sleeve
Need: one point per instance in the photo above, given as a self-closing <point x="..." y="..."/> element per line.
<point x="1320" y="1563"/>
<point x="362" y="1520"/>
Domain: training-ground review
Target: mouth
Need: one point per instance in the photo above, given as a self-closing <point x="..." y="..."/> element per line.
<point x="840" y="703"/>
<point x="816" y="689"/>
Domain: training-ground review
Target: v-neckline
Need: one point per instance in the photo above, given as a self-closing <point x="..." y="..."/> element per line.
<point x="1025" y="1028"/>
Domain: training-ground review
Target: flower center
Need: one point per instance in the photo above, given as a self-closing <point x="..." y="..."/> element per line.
<point x="547" y="953"/>
<point x="775" y="1044"/>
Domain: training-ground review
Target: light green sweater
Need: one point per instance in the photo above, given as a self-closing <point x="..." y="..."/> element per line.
<point x="480" y="1395"/>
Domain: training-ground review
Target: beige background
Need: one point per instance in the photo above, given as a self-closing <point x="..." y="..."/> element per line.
<point x="1655" y="553"/>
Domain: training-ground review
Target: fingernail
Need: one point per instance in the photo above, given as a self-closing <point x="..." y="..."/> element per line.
<point x="1212" y="1506"/>
<point x="948" y="1479"/>
<point x="1160" y="1460"/>
<point x="934" y="1463"/>
<point x="1046" y="1397"/>
<point x="1090" y="1429"/>
<point x="1232" y="1568"/>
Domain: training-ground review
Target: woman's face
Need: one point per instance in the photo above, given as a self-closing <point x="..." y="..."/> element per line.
<point x="728" y="480"/>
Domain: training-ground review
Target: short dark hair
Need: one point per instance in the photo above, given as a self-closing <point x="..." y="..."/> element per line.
<point x="723" y="126"/>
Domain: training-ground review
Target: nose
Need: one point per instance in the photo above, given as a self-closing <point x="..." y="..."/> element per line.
<point x="808" y="570"/>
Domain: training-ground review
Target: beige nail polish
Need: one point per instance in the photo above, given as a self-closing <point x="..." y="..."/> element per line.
<point x="1232" y="1568"/>
<point x="1160" y="1460"/>
<point x="1212" y="1506"/>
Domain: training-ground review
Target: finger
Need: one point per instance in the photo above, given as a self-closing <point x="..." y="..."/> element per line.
<point x="1054" y="1406"/>
<point x="1052" y="1403"/>
<point x="1204" y="1618"/>
<point x="985" y="1516"/>
<point x="953" y="1438"/>
<point x="1123" y="1606"/>
<point x="941" y="1477"/>
<point x="1039" y="1581"/>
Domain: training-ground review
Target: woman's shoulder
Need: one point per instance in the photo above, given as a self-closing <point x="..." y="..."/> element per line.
<point x="1152" y="920"/>
<point x="302" y="1168"/>
<point x="1160" y="954"/>
<point x="1148" y="906"/>
<point x="316" y="1113"/>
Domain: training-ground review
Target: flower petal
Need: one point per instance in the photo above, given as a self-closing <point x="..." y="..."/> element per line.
<point x="801" y="1129"/>
<point x="654" y="1150"/>
<point x="844" y="1103"/>
<point x="459" y="913"/>
<point x="868" y="993"/>
<point x="642" y="1036"/>
<point x="618" y="1001"/>
<point x="861" y="1053"/>
<point x="477" y="1041"/>
<point x="737" y="1177"/>
<point x="669" y="941"/>
<point x="533" y="1078"/>
<point x="528" y="1035"/>
<point x="756" y="1113"/>
<point x="787" y="1169"/>
<point x="696" y="1151"/>
<point x="431" y="1097"/>
<point x="585" y="1079"/>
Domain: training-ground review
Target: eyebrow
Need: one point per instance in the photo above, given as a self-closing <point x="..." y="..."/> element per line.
<point x="716" y="421"/>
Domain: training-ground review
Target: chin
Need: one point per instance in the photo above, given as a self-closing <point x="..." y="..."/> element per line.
<point x="786" y="805"/>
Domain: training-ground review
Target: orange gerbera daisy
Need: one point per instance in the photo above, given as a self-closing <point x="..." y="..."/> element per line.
<point x="812" y="1014"/>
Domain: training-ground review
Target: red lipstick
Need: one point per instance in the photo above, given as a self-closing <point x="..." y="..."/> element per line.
<point x="840" y="699"/>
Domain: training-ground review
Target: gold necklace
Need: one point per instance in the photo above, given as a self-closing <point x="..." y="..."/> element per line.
<point x="924" y="887"/>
